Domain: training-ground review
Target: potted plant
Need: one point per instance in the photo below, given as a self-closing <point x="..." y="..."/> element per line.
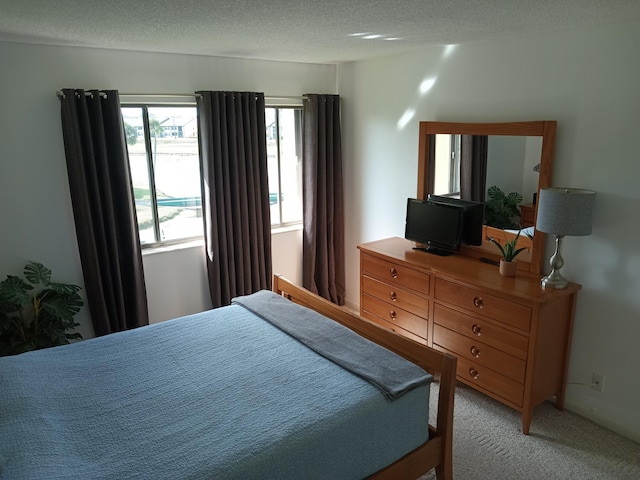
<point x="509" y="252"/>
<point x="36" y="313"/>
<point x="501" y="210"/>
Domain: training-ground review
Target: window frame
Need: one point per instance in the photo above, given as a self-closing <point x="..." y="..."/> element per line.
<point x="295" y="105"/>
<point x="151" y="171"/>
<point x="285" y="225"/>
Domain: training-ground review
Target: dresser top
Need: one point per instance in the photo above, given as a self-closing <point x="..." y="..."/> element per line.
<point x="466" y="269"/>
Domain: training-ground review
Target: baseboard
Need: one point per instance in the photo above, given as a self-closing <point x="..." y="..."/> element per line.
<point x="354" y="307"/>
<point x="603" y="421"/>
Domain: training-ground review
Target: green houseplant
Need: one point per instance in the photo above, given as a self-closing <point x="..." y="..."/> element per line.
<point x="509" y="253"/>
<point x="36" y="313"/>
<point x="501" y="210"/>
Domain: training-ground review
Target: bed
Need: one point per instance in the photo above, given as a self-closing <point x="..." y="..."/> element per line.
<point x="264" y="388"/>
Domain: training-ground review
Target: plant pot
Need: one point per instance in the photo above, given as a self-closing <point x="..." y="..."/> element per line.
<point x="508" y="269"/>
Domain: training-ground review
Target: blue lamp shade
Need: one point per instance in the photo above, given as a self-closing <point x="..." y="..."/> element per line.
<point x="565" y="211"/>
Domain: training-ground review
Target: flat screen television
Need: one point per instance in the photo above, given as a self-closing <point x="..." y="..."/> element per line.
<point x="435" y="227"/>
<point x="473" y="217"/>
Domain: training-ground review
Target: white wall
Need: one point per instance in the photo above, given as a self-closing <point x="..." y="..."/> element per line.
<point x="176" y="278"/>
<point x="586" y="80"/>
<point x="36" y="220"/>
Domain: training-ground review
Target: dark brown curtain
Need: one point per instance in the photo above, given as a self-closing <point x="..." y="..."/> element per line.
<point x="323" y="210"/>
<point x="473" y="167"/>
<point x="235" y="190"/>
<point x="431" y="165"/>
<point x="104" y="209"/>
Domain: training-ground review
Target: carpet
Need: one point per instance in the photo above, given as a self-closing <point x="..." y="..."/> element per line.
<point x="488" y="444"/>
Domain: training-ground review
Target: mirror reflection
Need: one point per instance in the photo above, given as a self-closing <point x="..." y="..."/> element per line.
<point x="503" y="165"/>
<point x="490" y="169"/>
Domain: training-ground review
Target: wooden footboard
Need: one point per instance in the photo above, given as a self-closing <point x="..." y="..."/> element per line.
<point x="437" y="451"/>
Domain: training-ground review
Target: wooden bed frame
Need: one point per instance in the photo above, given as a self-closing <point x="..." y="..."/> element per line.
<point x="437" y="451"/>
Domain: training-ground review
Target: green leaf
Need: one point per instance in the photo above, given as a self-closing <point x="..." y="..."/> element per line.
<point x="508" y="250"/>
<point x="14" y="293"/>
<point x="37" y="273"/>
<point x="39" y="319"/>
<point x="64" y="288"/>
<point x="63" y="306"/>
<point x="501" y="210"/>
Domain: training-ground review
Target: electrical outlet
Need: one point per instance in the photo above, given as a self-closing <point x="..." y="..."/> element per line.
<point x="597" y="382"/>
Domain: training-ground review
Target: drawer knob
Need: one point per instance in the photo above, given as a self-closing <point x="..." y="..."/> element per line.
<point x="475" y="351"/>
<point x="475" y="328"/>
<point x="393" y="296"/>
<point x="392" y="314"/>
<point x="393" y="272"/>
<point x="474" y="373"/>
<point x="478" y="302"/>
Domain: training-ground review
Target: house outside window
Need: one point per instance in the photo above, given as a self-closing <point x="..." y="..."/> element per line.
<point x="164" y="161"/>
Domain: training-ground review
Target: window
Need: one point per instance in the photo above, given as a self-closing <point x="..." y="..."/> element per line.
<point x="284" y="164"/>
<point x="165" y="169"/>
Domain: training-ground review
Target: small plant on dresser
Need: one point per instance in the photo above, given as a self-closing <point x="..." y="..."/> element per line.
<point x="509" y="253"/>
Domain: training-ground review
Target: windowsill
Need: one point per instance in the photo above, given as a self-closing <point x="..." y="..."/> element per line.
<point x="288" y="228"/>
<point x="199" y="242"/>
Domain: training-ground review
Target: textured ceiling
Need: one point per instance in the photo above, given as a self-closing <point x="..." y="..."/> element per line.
<point x="318" y="31"/>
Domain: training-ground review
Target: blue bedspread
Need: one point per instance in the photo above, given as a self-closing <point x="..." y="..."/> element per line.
<point x="392" y="374"/>
<point x="217" y="395"/>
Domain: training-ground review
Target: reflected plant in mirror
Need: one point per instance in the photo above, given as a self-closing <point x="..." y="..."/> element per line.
<point x="501" y="210"/>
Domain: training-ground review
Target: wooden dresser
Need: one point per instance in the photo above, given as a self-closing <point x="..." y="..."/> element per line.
<point x="511" y="337"/>
<point x="527" y="215"/>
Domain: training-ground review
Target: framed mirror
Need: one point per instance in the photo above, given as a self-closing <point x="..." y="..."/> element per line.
<point x="514" y="157"/>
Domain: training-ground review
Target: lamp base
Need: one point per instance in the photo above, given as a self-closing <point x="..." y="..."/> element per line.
<point x="554" y="280"/>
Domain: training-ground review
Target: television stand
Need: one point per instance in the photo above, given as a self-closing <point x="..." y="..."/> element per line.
<point x="511" y="337"/>
<point x="435" y="251"/>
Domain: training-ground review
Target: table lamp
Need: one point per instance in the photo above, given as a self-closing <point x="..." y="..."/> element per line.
<point x="563" y="211"/>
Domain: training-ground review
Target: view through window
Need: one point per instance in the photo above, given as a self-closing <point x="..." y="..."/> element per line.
<point x="165" y="169"/>
<point x="284" y="164"/>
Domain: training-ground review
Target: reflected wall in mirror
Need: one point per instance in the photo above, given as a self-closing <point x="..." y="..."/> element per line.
<point x="466" y="159"/>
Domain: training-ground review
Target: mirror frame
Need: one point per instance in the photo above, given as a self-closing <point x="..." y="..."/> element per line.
<point x="545" y="129"/>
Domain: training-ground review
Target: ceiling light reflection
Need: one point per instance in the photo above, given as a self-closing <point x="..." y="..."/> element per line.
<point x="448" y="50"/>
<point x="373" y="36"/>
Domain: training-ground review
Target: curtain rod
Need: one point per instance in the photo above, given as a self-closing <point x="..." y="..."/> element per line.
<point x="190" y="95"/>
<point x="60" y="94"/>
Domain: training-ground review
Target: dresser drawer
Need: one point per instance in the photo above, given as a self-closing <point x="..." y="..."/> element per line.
<point x="395" y="273"/>
<point x="475" y="374"/>
<point x="478" y="329"/>
<point x="479" y="352"/>
<point x="505" y="311"/>
<point x="397" y="297"/>
<point x="397" y="316"/>
<point x="393" y="328"/>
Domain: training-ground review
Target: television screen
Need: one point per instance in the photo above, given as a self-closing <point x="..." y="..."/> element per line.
<point x="436" y="227"/>
<point x="473" y="217"/>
